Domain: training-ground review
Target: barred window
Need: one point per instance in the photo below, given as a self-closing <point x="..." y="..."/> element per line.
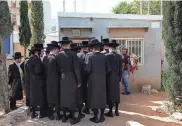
<point x="134" y="45"/>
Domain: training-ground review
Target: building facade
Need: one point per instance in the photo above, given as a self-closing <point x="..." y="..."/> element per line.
<point x="12" y="43"/>
<point x="141" y="34"/>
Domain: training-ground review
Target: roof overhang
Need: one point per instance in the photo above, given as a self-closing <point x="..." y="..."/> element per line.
<point x="79" y="27"/>
<point x="110" y="16"/>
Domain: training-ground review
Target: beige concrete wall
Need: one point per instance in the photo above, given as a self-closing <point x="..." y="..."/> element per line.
<point x="18" y="48"/>
<point x="127" y="32"/>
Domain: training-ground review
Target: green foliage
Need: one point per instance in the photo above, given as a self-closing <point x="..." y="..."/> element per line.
<point x="134" y="7"/>
<point x="37" y="22"/>
<point x="166" y="82"/>
<point x="172" y="34"/>
<point x="24" y="29"/>
<point x="5" y="31"/>
<point x="5" y="20"/>
<point x="124" y="8"/>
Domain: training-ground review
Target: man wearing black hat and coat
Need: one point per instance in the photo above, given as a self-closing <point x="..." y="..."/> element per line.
<point x="75" y="47"/>
<point x="84" y="76"/>
<point x="97" y="68"/>
<point x="37" y="83"/>
<point x="69" y="79"/>
<point x="105" y="46"/>
<point x="27" y="76"/>
<point x="114" y="79"/>
<point x="52" y="80"/>
<point x="14" y="80"/>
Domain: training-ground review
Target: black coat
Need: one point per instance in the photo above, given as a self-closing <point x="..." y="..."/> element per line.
<point x="27" y="81"/>
<point x="97" y="67"/>
<point x="52" y="79"/>
<point x="15" y="82"/>
<point x="23" y="76"/>
<point x="84" y="76"/>
<point x="70" y="77"/>
<point x="113" y="86"/>
<point x="37" y="83"/>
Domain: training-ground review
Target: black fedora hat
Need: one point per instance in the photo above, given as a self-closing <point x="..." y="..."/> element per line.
<point x="113" y="43"/>
<point x="105" y="41"/>
<point x="17" y="55"/>
<point x="38" y="46"/>
<point x="74" y="46"/>
<point x="53" y="44"/>
<point x="65" y="40"/>
<point x="85" y="44"/>
<point x="95" y="42"/>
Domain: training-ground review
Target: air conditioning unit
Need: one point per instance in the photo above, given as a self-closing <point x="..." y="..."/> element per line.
<point x="76" y="32"/>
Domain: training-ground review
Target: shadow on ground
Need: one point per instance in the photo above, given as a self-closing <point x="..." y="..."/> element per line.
<point x="136" y="107"/>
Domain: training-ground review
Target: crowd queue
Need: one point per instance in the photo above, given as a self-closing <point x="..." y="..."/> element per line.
<point x="70" y="79"/>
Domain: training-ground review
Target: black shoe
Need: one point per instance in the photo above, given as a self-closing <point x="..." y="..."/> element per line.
<point x="64" y="119"/>
<point x="102" y="119"/>
<point x="59" y="116"/>
<point x="81" y="116"/>
<point x="86" y="111"/>
<point x="33" y="115"/>
<point x="51" y="117"/>
<point x="126" y="93"/>
<point x="74" y="121"/>
<point x="41" y="116"/>
<point x="116" y="113"/>
<point x="69" y="115"/>
<point x="94" y="119"/>
<point x="109" y="114"/>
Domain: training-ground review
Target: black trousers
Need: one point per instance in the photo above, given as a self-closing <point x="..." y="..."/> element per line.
<point x="12" y="103"/>
<point x="57" y="107"/>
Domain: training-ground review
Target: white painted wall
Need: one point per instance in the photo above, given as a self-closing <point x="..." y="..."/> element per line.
<point x="47" y="16"/>
<point x="51" y="36"/>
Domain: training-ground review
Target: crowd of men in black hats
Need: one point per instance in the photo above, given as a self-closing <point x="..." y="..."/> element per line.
<point x="70" y="78"/>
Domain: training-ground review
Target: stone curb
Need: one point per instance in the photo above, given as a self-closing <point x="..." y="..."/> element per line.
<point x="16" y="116"/>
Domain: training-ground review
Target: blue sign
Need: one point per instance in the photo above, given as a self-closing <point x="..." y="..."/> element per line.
<point x="7" y="45"/>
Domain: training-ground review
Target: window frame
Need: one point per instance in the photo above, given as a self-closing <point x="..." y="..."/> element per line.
<point x="142" y="46"/>
<point x="14" y="18"/>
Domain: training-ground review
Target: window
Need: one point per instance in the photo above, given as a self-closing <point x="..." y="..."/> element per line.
<point x="14" y="18"/>
<point x="76" y="32"/>
<point x="134" y="45"/>
<point x="53" y="28"/>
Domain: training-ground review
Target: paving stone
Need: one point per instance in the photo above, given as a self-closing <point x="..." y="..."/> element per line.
<point x="133" y="123"/>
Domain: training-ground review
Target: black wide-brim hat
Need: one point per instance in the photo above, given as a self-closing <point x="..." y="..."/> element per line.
<point x="85" y="44"/>
<point x="65" y="40"/>
<point x="74" y="46"/>
<point x="53" y="44"/>
<point x="95" y="43"/>
<point x="113" y="43"/>
<point x="38" y="46"/>
<point x="17" y="55"/>
<point x="105" y="41"/>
